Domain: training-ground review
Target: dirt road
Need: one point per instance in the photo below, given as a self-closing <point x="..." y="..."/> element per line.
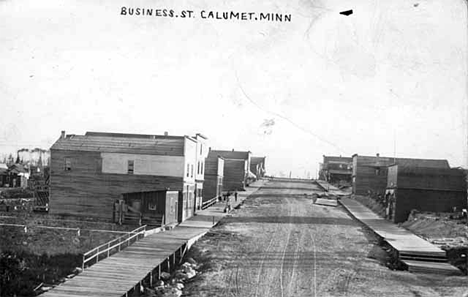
<point x="281" y="244"/>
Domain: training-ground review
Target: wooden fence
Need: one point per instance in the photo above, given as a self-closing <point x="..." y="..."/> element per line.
<point x="209" y="203"/>
<point x="107" y="249"/>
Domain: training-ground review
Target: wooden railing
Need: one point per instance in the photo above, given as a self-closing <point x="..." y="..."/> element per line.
<point x="113" y="246"/>
<point x="209" y="203"/>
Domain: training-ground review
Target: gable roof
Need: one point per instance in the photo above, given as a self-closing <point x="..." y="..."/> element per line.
<point x="240" y="155"/>
<point x="123" y="143"/>
<point x="17" y="168"/>
<point x="406" y="162"/>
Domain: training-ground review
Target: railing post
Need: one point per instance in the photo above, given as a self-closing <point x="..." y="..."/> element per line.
<point x="108" y="245"/>
<point x="82" y="265"/>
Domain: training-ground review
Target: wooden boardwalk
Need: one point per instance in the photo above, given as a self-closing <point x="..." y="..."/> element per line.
<point x="409" y="246"/>
<point x="124" y="271"/>
<point x="329" y="188"/>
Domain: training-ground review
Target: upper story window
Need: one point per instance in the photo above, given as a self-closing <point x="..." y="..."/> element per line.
<point x="67" y="164"/>
<point x="188" y="170"/>
<point x="191" y="171"/>
<point x="198" y="167"/>
<point x="130" y="166"/>
<point x="201" y="167"/>
<point x="201" y="149"/>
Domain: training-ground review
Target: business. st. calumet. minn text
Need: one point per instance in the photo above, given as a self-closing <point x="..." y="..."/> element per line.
<point x="205" y="14"/>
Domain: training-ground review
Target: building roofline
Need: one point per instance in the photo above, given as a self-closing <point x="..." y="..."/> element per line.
<point x="202" y="136"/>
<point x="128" y="135"/>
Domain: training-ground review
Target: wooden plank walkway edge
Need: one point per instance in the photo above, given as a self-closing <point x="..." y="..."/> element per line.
<point x="403" y="241"/>
<point x="143" y="261"/>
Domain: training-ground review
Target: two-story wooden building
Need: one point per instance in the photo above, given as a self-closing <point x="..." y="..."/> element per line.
<point x="336" y="168"/>
<point x="214" y="175"/>
<point x="370" y="172"/>
<point x="257" y="166"/>
<point x="236" y="169"/>
<point x="424" y="189"/>
<point x="90" y="172"/>
<point x="202" y="150"/>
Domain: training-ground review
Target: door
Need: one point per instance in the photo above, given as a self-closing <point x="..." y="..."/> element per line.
<point x="196" y="198"/>
<point x="180" y="207"/>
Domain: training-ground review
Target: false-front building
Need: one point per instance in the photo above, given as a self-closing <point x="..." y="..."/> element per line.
<point x="91" y="173"/>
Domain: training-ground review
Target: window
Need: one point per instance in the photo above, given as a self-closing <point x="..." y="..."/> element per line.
<point x="201" y="149"/>
<point x="377" y="171"/>
<point x="188" y="170"/>
<point x="198" y="167"/>
<point x="152" y="206"/>
<point x="130" y="166"/>
<point x="201" y="167"/>
<point x="67" y="164"/>
<point x="191" y="171"/>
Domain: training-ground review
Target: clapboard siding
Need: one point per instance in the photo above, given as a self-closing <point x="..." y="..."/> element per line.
<point x="370" y="173"/>
<point x="234" y="175"/>
<point x="214" y="170"/>
<point x="86" y="191"/>
<point x="210" y="187"/>
<point x="426" y="178"/>
<point x="426" y="189"/>
<point x="426" y="200"/>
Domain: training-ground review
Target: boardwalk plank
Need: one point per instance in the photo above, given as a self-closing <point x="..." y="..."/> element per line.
<point x="119" y="273"/>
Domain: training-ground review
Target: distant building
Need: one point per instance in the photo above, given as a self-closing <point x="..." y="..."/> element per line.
<point x="423" y="189"/>
<point x="335" y="169"/>
<point x="34" y="157"/>
<point x="214" y="175"/>
<point x="3" y="175"/>
<point x="257" y="166"/>
<point x="370" y="172"/>
<point x="89" y="173"/>
<point x="237" y="173"/>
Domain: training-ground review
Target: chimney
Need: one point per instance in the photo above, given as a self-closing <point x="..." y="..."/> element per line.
<point x="378" y="155"/>
<point x="166" y="133"/>
<point x="232" y="149"/>
<point x="62" y="135"/>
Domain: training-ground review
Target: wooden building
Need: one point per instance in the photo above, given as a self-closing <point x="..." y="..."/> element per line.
<point x="202" y="150"/>
<point x="257" y="166"/>
<point x="15" y="176"/>
<point x="214" y="173"/>
<point x="370" y="172"/>
<point x="89" y="173"/>
<point x="236" y="169"/>
<point x="3" y="175"/>
<point x="155" y="208"/>
<point x="423" y="189"/>
<point x="335" y="169"/>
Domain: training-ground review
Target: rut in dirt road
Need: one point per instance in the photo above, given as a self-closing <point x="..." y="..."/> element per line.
<point x="281" y="244"/>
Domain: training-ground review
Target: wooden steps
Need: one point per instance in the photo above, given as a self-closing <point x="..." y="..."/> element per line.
<point x="416" y="253"/>
<point x="431" y="267"/>
<point x="415" y="256"/>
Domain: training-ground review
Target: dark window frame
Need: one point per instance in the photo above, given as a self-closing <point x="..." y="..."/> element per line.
<point x="130" y="166"/>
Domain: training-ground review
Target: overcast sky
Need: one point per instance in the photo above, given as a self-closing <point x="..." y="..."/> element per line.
<point x="391" y="75"/>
